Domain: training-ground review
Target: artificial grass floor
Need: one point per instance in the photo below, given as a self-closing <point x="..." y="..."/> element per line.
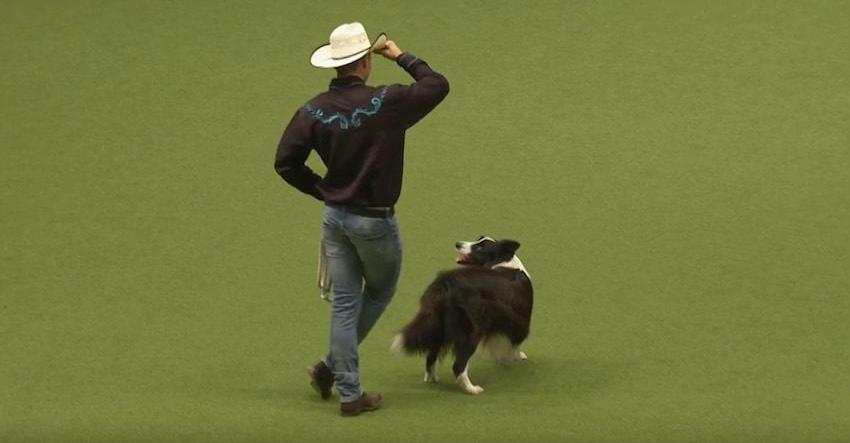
<point x="677" y="173"/>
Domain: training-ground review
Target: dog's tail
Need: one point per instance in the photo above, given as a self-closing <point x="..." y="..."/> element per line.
<point x="426" y="332"/>
<point x="422" y="334"/>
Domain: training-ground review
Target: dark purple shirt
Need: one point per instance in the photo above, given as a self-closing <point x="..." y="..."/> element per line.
<point x="358" y="131"/>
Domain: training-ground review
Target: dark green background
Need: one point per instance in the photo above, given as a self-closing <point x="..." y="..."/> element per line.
<point x="676" y="171"/>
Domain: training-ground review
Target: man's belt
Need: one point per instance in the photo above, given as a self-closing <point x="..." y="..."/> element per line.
<point x="368" y="211"/>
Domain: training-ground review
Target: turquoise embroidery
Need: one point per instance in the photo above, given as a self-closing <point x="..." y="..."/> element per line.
<point x="354" y="120"/>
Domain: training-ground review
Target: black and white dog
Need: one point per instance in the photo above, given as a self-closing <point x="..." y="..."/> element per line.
<point x="487" y="300"/>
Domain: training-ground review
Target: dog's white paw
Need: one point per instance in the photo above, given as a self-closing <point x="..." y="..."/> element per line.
<point x="474" y="390"/>
<point x="521" y="355"/>
<point x="431" y="377"/>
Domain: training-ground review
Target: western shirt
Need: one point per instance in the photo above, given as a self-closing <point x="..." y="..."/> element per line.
<point x="358" y="132"/>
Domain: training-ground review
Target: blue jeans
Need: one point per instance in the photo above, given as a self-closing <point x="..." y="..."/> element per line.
<point x="364" y="262"/>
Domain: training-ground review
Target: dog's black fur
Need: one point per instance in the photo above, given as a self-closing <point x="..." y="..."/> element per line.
<point x="467" y="305"/>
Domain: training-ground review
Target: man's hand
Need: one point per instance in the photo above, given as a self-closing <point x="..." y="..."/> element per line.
<point x="390" y="50"/>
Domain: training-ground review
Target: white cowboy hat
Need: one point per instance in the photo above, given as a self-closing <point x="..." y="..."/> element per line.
<point x="348" y="43"/>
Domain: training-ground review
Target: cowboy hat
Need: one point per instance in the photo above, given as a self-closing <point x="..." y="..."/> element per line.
<point x="347" y="43"/>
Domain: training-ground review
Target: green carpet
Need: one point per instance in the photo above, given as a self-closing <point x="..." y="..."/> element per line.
<point x="677" y="173"/>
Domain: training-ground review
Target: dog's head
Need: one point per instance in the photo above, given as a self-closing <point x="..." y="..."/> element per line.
<point x="485" y="252"/>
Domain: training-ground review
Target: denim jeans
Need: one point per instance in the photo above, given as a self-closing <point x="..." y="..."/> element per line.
<point x="364" y="262"/>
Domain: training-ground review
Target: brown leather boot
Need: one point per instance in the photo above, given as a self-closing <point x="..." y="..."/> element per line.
<point x="321" y="379"/>
<point x="366" y="402"/>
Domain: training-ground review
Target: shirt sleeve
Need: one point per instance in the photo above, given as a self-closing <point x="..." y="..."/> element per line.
<point x="429" y="89"/>
<point x="292" y="151"/>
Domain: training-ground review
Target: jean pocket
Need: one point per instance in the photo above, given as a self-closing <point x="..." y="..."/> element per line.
<point x="368" y="228"/>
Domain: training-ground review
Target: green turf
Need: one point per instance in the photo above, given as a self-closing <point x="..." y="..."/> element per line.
<point x="676" y="171"/>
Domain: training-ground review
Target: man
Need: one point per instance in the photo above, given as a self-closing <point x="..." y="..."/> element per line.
<point x="358" y="131"/>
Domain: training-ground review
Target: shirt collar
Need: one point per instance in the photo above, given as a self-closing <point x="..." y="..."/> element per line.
<point x="346" y="82"/>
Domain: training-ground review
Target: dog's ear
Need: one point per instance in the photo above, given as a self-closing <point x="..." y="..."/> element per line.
<point x="510" y="246"/>
<point x="481" y="237"/>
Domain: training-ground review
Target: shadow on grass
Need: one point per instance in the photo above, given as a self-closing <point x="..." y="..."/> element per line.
<point x="536" y="377"/>
<point x="541" y="380"/>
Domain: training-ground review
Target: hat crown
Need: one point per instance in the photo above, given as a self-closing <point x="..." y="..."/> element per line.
<point x="347" y="43"/>
<point x="348" y="39"/>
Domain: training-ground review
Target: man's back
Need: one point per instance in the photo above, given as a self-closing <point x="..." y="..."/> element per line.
<point x="358" y="131"/>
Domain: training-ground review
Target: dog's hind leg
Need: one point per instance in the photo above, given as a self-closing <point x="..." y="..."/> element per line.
<point x="463" y="352"/>
<point x="430" y="372"/>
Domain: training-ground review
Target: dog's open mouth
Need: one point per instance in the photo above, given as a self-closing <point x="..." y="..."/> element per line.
<point x="462" y="259"/>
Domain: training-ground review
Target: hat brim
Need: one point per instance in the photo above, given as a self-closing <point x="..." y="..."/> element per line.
<point x="321" y="57"/>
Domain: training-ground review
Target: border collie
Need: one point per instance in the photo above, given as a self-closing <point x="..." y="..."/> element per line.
<point x="486" y="300"/>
